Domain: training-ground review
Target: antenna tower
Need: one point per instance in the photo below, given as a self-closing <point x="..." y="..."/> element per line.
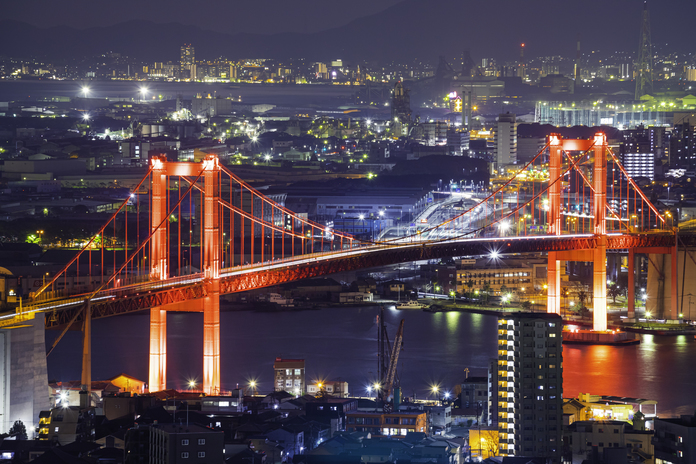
<point x="644" y="83"/>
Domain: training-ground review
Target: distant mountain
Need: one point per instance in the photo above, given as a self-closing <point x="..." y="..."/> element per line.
<point x="410" y="29"/>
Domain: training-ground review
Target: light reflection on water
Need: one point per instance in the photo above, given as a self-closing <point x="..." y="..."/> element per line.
<point x="342" y="343"/>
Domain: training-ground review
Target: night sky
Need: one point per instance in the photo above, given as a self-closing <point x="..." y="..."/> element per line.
<point x="355" y="29"/>
<point x="223" y="16"/>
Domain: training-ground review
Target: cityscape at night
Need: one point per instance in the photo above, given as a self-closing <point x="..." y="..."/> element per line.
<point x="394" y="232"/>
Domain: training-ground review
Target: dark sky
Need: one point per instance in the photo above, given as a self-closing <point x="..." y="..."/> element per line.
<point x="220" y="15"/>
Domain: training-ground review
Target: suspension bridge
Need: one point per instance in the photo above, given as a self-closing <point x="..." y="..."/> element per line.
<point x="192" y="231"/>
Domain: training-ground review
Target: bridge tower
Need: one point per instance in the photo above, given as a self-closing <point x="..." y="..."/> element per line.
<point x="209" y="170"/>
<point x="553" y="298"/>
<point x="158" y="271"/>
<point x="599" y="298"/>
<point x="211" y="268"/>
<point x="598" y="254"/>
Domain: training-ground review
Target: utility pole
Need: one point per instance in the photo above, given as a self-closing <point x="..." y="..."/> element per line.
<point x="644" y="62"/>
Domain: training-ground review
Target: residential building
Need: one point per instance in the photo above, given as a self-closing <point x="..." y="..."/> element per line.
<point x="223" y="404"/>
<point x="331" y="411"/>
<point x="335" y="388"/>
<point x="505" y="140"/>
<point x="440" y="419"/>
<point x="289" y="375"/>
<point x="583" y="437"/>
<point x="675" y="440"/>
<point x="395" y="424"/>
<point x="475" y="396"/>
<point x="174" y="444"/>
<point x="530" y="385"/>
<point x="69" y="424"/>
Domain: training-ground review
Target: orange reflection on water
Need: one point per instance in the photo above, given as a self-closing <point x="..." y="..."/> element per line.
<point x="604" y="370"/>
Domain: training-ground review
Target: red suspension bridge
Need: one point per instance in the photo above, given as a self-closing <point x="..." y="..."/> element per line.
<point x="192" y="231"/>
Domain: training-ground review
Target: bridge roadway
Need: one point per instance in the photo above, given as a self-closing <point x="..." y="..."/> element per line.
<point x="141" y="296"/>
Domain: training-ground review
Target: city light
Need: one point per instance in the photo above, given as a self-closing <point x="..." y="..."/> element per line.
<point x="86" y="116"/>
<point x="85" y="91"/>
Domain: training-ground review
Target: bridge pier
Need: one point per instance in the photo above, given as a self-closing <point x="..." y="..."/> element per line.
<point x="553" y="284"/>
<point x="211" y="340"/>
<point x="157" y="380"/>
<point x="599" y="297"/>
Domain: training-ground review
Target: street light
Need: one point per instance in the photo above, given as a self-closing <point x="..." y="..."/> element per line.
<point x="85" y="91"/>
<point x="453" y="294"/>
<point x="143" y="92"/>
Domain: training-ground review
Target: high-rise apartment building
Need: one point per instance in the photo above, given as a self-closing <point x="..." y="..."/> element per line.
<point x="187" y="62"/>
<point x="530" y="385"/>
<point x="289" y="375"/>
<point x="505" y="140"/>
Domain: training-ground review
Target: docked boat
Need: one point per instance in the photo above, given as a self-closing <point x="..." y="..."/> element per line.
<point x="412" y="304"/>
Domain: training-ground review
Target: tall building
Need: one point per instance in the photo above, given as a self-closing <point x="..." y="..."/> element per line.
<point x="289" y="375"/>
<point x="187" y="62"/>
<point x="682" y="149"/>
<point x="530" y="385"/>
<point x="505" y="140"/>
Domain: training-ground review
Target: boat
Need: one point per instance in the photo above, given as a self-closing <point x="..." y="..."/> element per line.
<point x="412" y="304"/>
<point x="278" y="299"/>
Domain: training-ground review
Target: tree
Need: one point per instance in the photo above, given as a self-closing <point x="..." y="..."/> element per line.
<point x="470" y="285"/>
<point x="526" y="305"/>
<point x="489" y="442"/>
<point x="613" y="291"/>
<point x="19" y="431"/>
<point x="486" y="290"/>
<point x="504" y="290"/>
<point x="582" y="297"/>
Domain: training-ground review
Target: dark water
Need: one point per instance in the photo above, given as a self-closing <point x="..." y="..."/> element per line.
<point x="290" y="95"/>
<point x="342" y="343"/>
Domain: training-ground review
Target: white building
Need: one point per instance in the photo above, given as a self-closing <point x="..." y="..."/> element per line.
<point x="639" y="164"/>
<point x="505" y="140"/>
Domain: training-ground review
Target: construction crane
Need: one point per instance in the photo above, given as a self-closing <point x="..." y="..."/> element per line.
<point x="388" y="358"/>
